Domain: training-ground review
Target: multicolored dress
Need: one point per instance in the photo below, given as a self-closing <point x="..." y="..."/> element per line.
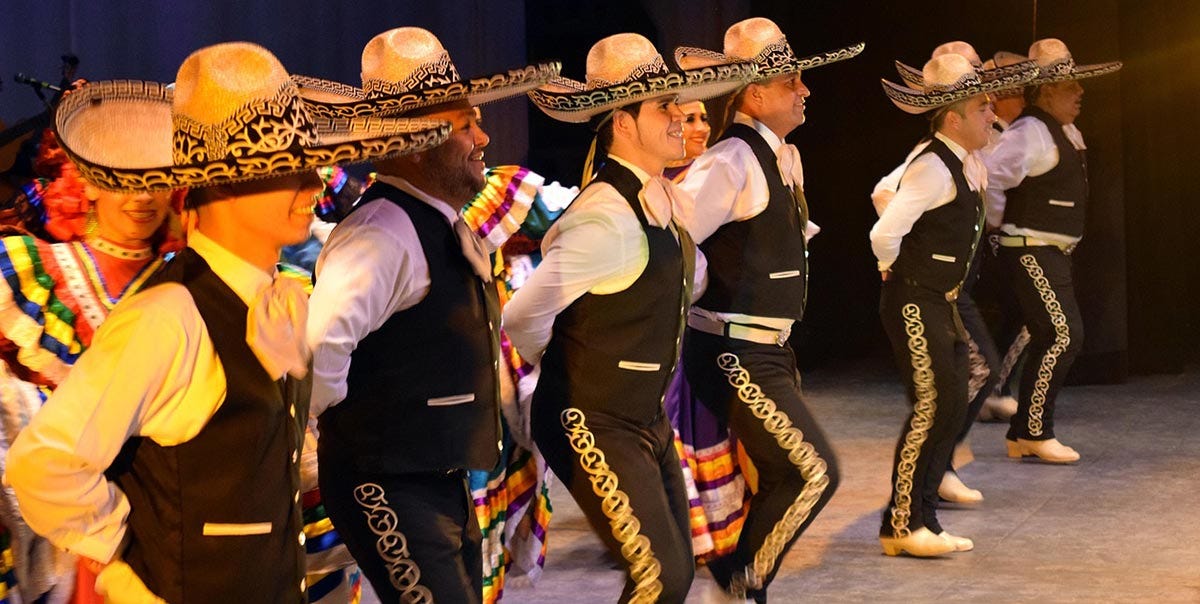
<point x="512" y="501"/>
<point x="53" y="298"/>
<point x="715" y="473"/>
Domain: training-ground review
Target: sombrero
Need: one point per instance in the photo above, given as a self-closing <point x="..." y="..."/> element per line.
<point x="1056" y="64"/>
<point x="1004" y="58"/>
<point x="234" y="114"/>
<point x="626" y="68"/>
<point x="950" y="78"/>
<point x="759" y="40"/>
<point x="408" y="68"/>
<point x="912" y="76"/>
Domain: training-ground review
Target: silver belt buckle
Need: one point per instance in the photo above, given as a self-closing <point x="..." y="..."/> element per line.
<point x="781" y="336"/>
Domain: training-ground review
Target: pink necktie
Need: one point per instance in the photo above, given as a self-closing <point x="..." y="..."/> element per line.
<point x="275" y="328"/>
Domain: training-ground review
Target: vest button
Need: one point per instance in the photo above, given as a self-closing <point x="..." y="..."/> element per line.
<point x="295" y="456"/>
<point x="500" y="445"/>
<point x="296" y="497"/>
<point x="303" y="585"/>
<point x="292" y="410"/>
<point x="301" y="538"/>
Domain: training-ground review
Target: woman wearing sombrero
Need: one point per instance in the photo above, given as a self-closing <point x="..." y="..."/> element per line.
<point x="603" y="312"/>
<point x="168" y="458"/>
<point x="924" y="241"/>
<point x="1038" y="190"/>
<point x="751" y="219"/>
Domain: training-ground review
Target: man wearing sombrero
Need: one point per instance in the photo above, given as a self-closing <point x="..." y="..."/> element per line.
<point x="984" y="360"/>
<point x="168" y="458"/>
<point x="924" y="241"/>
<point x="751" y="220"/>
<point x="604" y="312"/>
<point x="1038" y="190"/>
<point x="403" y="325"/>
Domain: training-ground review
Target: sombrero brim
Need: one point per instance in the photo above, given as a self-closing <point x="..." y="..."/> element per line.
<point x="1075" y="72"/>
<point x="688" y="57"/>
<point x="120" y="135"/>
<point x="915" y="78"/>
<point x="912" y="77"/>
<point x="477" y="91"/>
<point x="571" y="101"/>
<point x="915" y="101"/>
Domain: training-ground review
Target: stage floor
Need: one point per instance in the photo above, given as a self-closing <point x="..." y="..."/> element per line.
<point x="1120" y="526"/>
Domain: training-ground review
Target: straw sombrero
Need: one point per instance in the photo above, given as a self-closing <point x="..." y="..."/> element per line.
<point x="408" y="68"/>
<point x="626" y="68"/>
<point x="1056" y="64"/>
<point x="234" y="114"/>
<point x="1004" y="58"/>
<point x="912" y="76"/>
<point x="759" y="40"/>
<point x="950" y="78"/>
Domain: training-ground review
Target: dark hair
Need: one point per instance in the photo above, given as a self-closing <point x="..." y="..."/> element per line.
<point x="939" y="116"/>
<point x="1032" y="93"/>
<point x="603" y="125"/>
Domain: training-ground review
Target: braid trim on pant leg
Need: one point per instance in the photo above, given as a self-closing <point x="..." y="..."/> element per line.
<point x="1062" y="339"/>
<point x="921" y="422"/>
<point x="802" y="454"/>
<point x="644" y="568"/>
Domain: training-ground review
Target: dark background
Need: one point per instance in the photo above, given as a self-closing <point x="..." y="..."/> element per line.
<point x="1136" y="269"/>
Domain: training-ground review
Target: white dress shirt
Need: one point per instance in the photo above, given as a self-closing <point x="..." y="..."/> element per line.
<point x="729" y="185"/>
<point x="151" y="371"/>
<point x="597" y="246"/>
<point x="372" y="266"/>
<point x="926" y="184"/>
<point x="1025" y="149"/>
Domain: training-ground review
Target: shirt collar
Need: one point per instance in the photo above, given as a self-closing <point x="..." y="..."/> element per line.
<point x="245" y="279"/>
<point x="437" y="204"/>
<point x="773" y="141"/>
<point x="958" y="149"/>
<point x="638" y="172"/>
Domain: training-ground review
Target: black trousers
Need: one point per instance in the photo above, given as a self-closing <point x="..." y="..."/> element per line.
<point x="415" y="536"/>
<point x="755" y="390"/>
<point x="982" y="348"/>
<point x="627" y="480"/>
<point x="994" y="296"/>
<point x="931" y="353"/>
<point x="1043" y="285"/>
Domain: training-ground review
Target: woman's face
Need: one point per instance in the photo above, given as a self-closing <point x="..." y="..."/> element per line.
<point x="128" y="219"/>
<point x="695" y="128"/>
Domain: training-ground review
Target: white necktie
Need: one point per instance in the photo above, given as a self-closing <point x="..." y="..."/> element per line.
<point x="275" y="328"/>
<point x="975" y="171"/>
<point x="659" y="198"/>
<point x="1075" y="136"/>
<point x="790" y="166"/>
<point x="473" y="250"/>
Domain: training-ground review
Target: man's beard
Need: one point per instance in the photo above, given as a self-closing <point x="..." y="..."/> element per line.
<point x="457" y="180"/>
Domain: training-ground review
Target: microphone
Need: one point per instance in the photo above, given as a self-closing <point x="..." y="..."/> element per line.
<point x="21" y="78"/>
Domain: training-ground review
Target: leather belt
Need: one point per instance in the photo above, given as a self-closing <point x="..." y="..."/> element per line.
<point x="737" y="331"/>
<point x="1025" y="241"/>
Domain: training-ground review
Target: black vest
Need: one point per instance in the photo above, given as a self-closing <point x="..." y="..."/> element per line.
<point x="240" y="469"/>
<point x="615" y="353"/>
<point x="1055" y="201"/>
<point x="760" y="266"/>
<point x="937" y="252"/>
<point x="423" y="390"/>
